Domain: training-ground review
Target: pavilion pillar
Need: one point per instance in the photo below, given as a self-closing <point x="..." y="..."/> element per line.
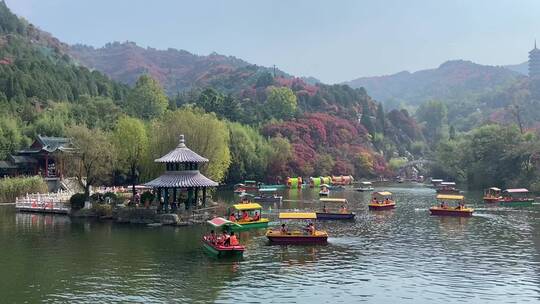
<point x="196" y="196"/>
<point x="190" y="198"/>
<point x="158" y="192"/>
<point x="174" y="200"/>
<point x="204" y="196"/>
<point x="46" y="165"/>
<point x="166" y="200"/>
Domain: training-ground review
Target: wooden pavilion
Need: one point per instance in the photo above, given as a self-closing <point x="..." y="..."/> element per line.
<point x="181" y="175"/>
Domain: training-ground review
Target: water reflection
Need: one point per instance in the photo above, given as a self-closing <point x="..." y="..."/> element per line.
<point x="403" y="255"/>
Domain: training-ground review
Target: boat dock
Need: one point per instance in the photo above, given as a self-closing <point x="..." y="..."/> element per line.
<point x="56" y="202"/>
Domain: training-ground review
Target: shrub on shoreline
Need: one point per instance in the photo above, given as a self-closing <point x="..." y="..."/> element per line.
<point x="13" y="187"/>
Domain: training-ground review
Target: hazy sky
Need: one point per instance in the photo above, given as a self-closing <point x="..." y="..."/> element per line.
<point x="332" y="40"/>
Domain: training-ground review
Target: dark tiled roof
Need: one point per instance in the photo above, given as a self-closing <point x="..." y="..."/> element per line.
<point x="19" y="159"/>
<point x="181" y="179"/>
<point x="7" y="165"/>
<point x="181" y="154"/>
<point x="52" y="144"/>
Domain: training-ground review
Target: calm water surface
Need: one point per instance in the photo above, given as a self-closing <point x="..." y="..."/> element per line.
<point x="401" y="256"/>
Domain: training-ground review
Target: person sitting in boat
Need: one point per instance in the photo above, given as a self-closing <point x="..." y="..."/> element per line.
<point x="284" y="229"/>
<point x="232" y="218"/>
<point x="224" y="237"/>
<point x="256" y="217"/>
<point x="310" y="229"/>
<point x="343" y="209"/>
<point x="324" y="209"/>
<point x="386" y="201"/>
<point x="231" y="240"/>
<point x="212" y="237"/>
<point x="245" y="216"/>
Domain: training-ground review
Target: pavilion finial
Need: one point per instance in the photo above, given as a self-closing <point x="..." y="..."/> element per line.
<point x="182" y="143"/>
<point x="535" y="44"/>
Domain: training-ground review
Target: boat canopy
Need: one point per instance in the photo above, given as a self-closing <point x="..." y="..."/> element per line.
<point x="366" y="183"/>
<point x="436" y="180"/>
<point x="245" y="194"/>
<point x="297" y="215"/>
<point x="250" y="206"/>
<point x="520" y="190"/>
<point x="448" y="184"/>
<point x="450" y="197"/>
<point x="333" y="200"/>
<point x="219" y="221"/>
<point x="324" y="185"/>
<point x="382" y="193"/>
<point x="494" y="189"/>
<point x="268" y="190"/>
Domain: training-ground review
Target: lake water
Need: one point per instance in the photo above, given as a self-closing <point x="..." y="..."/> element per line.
<point x="396" y="256"/>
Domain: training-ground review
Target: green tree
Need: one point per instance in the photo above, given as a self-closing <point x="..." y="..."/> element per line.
<point x="147" y="100"/>
<point x="131" y="143"/>
<point x="250" y="153"/>
<point x="92" y="162"/>
<point x="281" y="103"/>
<point x="434" y="116"/>
<point x="11" y="137"/>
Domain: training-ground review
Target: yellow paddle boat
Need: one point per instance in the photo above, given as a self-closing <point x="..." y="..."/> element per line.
<point x="308" y="235"/>
<point x="445" y="210"/>
<point x="247" y="216"/>
<point x="382" y="200"/>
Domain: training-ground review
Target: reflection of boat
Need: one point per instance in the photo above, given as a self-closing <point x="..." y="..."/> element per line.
<point x="285" y="236"/>
<point x="331" y="213"/>
<point x="382" y="201"/>
<point x="268" y="195"/>
<point x="516" y="197"/>
<point x="250" y="218"/>
<point x="445" y="210"/>
<point x="492" y="195"/>
<point x="365" y="186"/>
<point x="447" y="188"/>
<point x="248" y="185"/>
<point x="325" y="191"/>
<point x="216" y="246"/>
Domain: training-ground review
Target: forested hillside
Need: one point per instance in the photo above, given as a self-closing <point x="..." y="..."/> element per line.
<point x="176" y="70"/>
<point x="248" y="122"/>
<point x="452" y="81"/>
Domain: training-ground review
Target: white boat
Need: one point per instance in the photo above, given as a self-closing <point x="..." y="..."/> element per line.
<point x="365" y="186"/>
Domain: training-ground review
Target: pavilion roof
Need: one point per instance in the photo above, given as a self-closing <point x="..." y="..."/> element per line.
<point x="181" y="154"/>
<point x="51" y="144"/>
<point x="181" y="179"/>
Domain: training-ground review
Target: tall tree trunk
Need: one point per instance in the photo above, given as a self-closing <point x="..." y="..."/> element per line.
<point x="133" y="182"/>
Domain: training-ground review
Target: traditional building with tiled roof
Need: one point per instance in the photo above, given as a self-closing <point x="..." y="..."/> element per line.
<point x="182" y="175"/>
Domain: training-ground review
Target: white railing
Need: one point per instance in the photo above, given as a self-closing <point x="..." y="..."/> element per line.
<point x="46" y="202"/>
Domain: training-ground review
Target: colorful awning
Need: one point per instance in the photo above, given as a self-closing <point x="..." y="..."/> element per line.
<point x="250" y="206"/>
<point x="297" y="215"/>
<point x="450" y="197"/>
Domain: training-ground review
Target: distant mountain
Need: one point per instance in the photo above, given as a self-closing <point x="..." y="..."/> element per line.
<point x="522" y="68"/>
<point x="451" y="81"/>
<point x="176" y="70"/>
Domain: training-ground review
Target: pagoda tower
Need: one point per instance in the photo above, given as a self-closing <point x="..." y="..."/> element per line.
<point x="181" y="175"/>
<point x="534" y="72"/>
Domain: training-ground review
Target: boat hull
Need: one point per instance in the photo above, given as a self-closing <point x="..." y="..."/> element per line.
<point x="381" y="206"/>
<point x="296" y="239"/>
<point x="222" y="251"/>
<point x="335" y="216"/>
<point x="517" y="202"/>
<point x="491" y="199"/>
<point x="263" y="223"/>
<point x="451" y="212"/>
<point x="364" y="189"/>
